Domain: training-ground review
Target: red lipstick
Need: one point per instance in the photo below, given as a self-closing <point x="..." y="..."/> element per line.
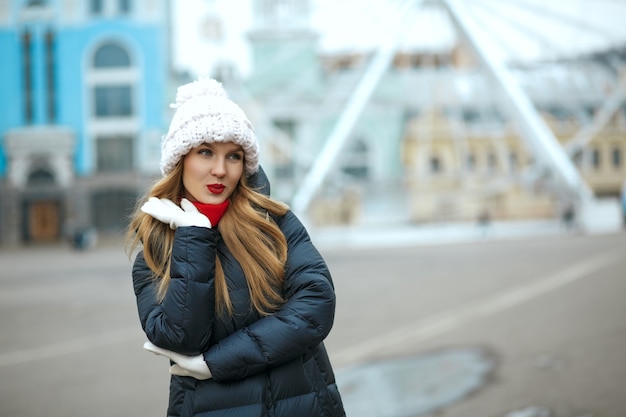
<point x="216" y="188"/>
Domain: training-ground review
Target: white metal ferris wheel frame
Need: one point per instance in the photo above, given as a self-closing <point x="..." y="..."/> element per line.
<point x="533" y="128"/>
<point x="551" y="158"/>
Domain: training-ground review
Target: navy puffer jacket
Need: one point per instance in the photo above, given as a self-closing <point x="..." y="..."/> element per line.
<point x="261" y="366"/>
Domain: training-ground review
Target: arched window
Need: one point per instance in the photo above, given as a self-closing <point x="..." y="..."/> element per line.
<point x="113" y="98"/>
<point x="113" y="80"/>
<point x="111" y="55"/>
<point x="40" y="176"/>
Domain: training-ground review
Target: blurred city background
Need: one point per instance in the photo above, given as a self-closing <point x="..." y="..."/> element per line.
<point x="390" y="127"/>
<point x="411" y="112"/>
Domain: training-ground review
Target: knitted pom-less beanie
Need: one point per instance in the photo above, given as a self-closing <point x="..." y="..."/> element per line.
<point x="204" y="114"/>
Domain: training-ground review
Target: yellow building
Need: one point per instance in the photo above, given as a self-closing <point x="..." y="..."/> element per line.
<point x="602" y="162"/>
<point x="456" y="172"/>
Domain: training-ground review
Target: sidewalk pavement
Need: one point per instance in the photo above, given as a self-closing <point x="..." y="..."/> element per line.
<point x="393" y="235"/>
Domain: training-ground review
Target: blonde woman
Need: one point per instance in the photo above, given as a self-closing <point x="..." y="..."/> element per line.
<point x="229" y="286"/>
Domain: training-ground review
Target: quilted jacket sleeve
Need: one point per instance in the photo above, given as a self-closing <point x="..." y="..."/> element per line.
<point x="299" y="325"/>
<point x="182" y="322"/>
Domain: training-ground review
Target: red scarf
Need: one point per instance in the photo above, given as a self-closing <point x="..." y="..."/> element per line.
<point x="213" y="211"/>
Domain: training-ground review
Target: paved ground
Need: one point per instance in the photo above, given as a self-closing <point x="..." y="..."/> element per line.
<point x="549" y="311"/>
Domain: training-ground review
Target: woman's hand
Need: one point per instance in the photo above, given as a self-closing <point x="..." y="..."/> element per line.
<point x="166" y="211"/>
<point x="193" y="366"/>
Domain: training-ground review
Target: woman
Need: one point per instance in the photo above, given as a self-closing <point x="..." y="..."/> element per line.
<point x="229" y="286"/>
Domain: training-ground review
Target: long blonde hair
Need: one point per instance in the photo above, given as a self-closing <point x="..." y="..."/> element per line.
<point x="249" y="233"/>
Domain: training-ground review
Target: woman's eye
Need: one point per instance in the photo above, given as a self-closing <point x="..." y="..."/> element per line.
<point x="205" y="152"/>
<point x="235" y="156"/>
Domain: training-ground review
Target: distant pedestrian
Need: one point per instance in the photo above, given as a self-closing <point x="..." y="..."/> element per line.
<point x="484" y="222"/>
<point x="229" y="286"/>
<point x="568" y="217"/>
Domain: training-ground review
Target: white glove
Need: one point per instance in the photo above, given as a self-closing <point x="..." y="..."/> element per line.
<point x="166" y="211"/>
<point x="193" y="366"/>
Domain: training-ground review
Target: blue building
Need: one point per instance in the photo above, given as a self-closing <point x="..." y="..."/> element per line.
<point x="81" y="112"/>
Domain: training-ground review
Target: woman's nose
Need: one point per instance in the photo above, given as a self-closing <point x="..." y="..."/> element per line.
<point x="219" y="167"/>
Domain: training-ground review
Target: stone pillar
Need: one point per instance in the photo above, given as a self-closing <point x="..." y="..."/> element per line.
<point x="10" y="216"/>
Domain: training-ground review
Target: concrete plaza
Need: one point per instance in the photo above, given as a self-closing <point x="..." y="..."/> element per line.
<point x="548" y="310"/>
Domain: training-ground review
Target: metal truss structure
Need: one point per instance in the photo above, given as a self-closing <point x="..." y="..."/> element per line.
<point x="552" y="160"/>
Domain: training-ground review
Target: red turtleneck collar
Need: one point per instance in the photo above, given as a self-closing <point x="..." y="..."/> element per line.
<point x="213" y="211"/>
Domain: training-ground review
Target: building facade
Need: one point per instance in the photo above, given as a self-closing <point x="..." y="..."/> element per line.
<point x="81" y="113"/>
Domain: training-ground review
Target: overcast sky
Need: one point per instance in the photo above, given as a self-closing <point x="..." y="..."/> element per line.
<point x="521" y="29"/>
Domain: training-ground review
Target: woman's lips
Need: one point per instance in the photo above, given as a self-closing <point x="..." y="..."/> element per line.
<point x="216" y="188"/>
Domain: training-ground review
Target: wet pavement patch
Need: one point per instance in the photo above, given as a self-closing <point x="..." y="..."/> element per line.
<point x="410" y="386"/>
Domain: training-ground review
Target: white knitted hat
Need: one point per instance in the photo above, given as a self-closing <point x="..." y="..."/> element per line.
<point x="204" y="114"/>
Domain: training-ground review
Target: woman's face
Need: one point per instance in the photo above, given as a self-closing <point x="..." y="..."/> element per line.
<point x="212" y="171"/>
